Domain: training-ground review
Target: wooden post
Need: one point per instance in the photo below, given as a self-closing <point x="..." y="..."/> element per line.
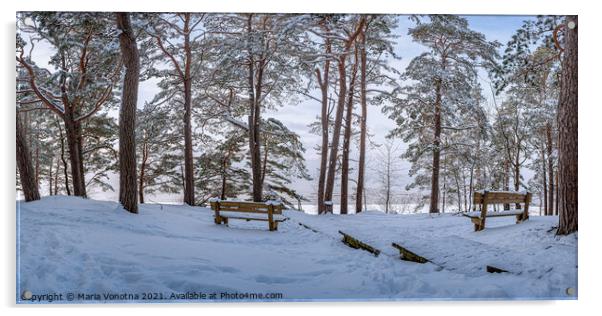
<point x="527" y="201"/>
<point x="271" y="217"/>
<point x="215" y="206"/>
<point x="483" y="212"/>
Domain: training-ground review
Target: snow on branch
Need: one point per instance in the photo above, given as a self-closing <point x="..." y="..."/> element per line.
<point x="37" y="91"/>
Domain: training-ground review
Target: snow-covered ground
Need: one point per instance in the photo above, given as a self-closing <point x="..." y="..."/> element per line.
<point x="88" y="248"/>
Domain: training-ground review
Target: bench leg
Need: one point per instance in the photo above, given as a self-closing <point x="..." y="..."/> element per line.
<point x="217" y="220"/>
<point x="521" y="218"/>
<point x="273" y="225"/>
<point x="479" y="224"/>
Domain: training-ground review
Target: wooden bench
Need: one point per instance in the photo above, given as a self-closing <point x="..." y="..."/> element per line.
<point x="257" y="211"/>
<point x="485" y="198"/>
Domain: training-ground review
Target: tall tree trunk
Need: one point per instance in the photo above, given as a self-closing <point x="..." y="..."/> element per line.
<point x="30" y="190"/>
<point x="254" y="118"/>
<point x="465" y="194"/>
<point x="56" y="176"/>
<point x="434" y="206"/>
<point x="507" y="180"/>
<point x="544" y="182"/>
<point x="224" y="178"/>
<point x="517" y="175"/>
<point x="72" y="131"/>
<point x="444" y="195"/>
<point x="141" y="181"/>
<point x="127" y="114"/>
<point x="347" y="141"/>
<point x="65" y="165"/>
<point x="37" y="166"/>
<point x="556" y="204"/>
<point x="336" y="134"/>
<point x="471" y="186"/>
<point x="328" y="191"/>
<point x="80" y="151"/>
<point x="50" y="175"/>
<point x="549" y="146"/>
<point x="264" y="163"/>
<point x="363" y="119"/>
<point x="458" y="191"/>
<point x="388" y="182"/>
<point x="188" y="156"/>
<point x="324" y="84"/>
<point x="254" y="141"/>
<point x="567" y="133"/>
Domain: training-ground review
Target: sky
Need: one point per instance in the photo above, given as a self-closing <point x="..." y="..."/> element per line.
<point x="298" y="116"/>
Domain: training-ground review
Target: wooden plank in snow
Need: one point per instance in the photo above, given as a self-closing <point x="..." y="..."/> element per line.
<point x="358" y="244"/>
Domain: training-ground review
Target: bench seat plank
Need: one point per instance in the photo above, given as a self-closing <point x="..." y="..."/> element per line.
<point x="253" y="216"/>
<point x="494" y="214"/>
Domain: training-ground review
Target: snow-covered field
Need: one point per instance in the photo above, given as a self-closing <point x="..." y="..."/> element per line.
<point x="89" y="248"/>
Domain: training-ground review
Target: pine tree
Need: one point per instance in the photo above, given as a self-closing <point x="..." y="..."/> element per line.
<point x="567" y="135"/>
<point x="177" y="37"/>
<point x="282" y="160"/>
<point x="158" y="151"/>
<point x="255" y="60"/>
<point x="127" y="114"/>
<point x="444" y="77"/>
<point x="222" y="171"/>
<point x="86" y="65"/>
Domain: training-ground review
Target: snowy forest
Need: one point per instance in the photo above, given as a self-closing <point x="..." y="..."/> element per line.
<point x="470" y="114"/>
<point x="391" y="156"/>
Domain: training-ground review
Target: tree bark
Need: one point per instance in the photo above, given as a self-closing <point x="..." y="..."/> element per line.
<point x="141" y="181"/>
<point x="56" y="177"/>
<point x="550" y="161"/>
<point x="37" y="167"/>
<point x="336" y="134"/>
<point x="363" y="119"/>
<point x="50" y="175"/>
<point x="517" y="175"/>
<point x="323" y="82"/>
<point x="254" y="118"/>
<point x="65" y="165"/>
<point x="224" y="176"/>
<point x="30" y="189"/>
<point x="507" y="180"/>
<point x="434" y="205"/>
<point x="388" y="180"/>
<point x="556" y="202"/>
<point x="127" y="114"/>
<point x="567" y="133"/>
<point x="347" y="141"/>
<point x="544" y="182"/>
<point x="188" y="156"/>
<point x="72" y="131"/>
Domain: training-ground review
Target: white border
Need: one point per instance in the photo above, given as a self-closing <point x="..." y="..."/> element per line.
<point x="589" y="153"/>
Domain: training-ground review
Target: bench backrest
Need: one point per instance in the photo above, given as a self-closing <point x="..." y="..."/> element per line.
<point x="246" y="207"/>
<point x="497" y="197"/>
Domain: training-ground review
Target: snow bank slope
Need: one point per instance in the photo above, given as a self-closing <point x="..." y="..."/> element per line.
<point x="73" y="245"/>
